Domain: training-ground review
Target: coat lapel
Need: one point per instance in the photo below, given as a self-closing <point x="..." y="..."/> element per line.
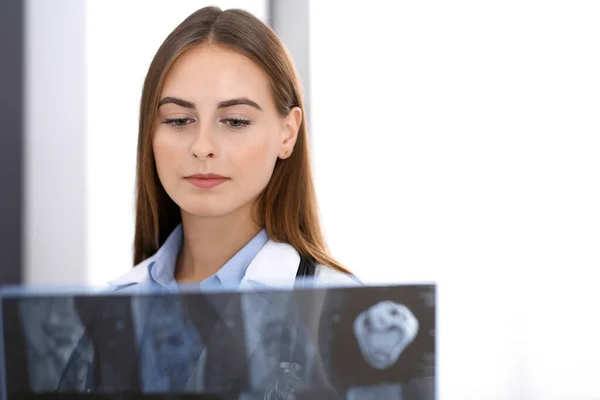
<point x="275" y="266"/>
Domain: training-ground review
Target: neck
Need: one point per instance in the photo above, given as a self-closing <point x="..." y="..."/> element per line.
<point x="209" y="242"/>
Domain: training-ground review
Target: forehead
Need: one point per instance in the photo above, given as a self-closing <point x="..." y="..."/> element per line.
<point x="211" y="73"/>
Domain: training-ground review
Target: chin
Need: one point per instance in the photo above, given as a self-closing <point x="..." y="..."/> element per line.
<point x="212" y="211"/>
<point x="209" y="209"/>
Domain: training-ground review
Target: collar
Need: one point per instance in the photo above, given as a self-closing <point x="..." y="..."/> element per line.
<point x="274" y="266"/>
<point x="232" y="273"/>
<point x="162" y="269"/>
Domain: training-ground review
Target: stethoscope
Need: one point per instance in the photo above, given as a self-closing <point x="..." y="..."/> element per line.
<point x="289" y="380"/>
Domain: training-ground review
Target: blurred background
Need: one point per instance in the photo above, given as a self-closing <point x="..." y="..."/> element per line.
<point x="454" y="142"/>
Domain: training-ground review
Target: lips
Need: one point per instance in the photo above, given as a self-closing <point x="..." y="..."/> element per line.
<point x="208" y="175"/>
<point x="206" y="181"/>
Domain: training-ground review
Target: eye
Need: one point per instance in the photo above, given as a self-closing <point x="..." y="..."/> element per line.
<point x="236" y="123"/>
<point x="178" y="123"/>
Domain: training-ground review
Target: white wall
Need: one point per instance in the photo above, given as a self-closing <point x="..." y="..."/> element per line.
<point x="54" y="143"/>
<point x="120" y="45"/>
<point x="458" y="142"/>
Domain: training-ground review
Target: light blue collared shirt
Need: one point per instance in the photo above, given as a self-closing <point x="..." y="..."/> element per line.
<point x="162" y="268"/>
<point x="167" y="317"/>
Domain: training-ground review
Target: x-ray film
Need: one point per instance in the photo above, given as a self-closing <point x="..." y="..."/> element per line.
<point x="372" y="342"/>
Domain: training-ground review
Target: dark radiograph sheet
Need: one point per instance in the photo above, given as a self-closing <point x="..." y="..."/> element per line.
<point x="337" y="343"/>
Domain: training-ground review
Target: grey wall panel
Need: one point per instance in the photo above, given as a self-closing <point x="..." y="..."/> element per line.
<point x="11" y="139"/>
<point x="289" y="18"/>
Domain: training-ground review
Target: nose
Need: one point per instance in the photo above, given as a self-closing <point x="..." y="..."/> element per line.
<point x="204" y="147"/>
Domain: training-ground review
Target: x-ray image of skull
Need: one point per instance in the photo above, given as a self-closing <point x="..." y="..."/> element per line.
<point x="383" y="331"/>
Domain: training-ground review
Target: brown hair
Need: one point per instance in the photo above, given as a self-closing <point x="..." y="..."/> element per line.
<point x="287" y="208"/>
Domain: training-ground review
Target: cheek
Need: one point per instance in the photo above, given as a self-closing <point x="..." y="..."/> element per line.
<point x="167" y="152"/>
<point x="166" y="147"/>
<point x="255" y="160"/>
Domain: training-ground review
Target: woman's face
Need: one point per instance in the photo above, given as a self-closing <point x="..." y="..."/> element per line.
<point x="217" y="116"/>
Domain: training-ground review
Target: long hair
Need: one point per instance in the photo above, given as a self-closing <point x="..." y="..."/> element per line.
<point x="287" y="208"/>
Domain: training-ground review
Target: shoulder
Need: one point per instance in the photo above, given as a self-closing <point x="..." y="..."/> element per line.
<point x="276" y="265"/>
<point x="326" y="275"/>
<point x="138" y="274"/>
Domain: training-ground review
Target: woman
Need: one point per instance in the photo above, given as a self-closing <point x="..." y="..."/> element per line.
<point x="225" y="196"/>
<point x="225" y="199"/>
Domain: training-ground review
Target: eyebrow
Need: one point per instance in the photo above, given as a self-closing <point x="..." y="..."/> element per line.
<point x="179" y="102"/>
<point x="239" y="101"/>
<point x="223" y="104"/>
